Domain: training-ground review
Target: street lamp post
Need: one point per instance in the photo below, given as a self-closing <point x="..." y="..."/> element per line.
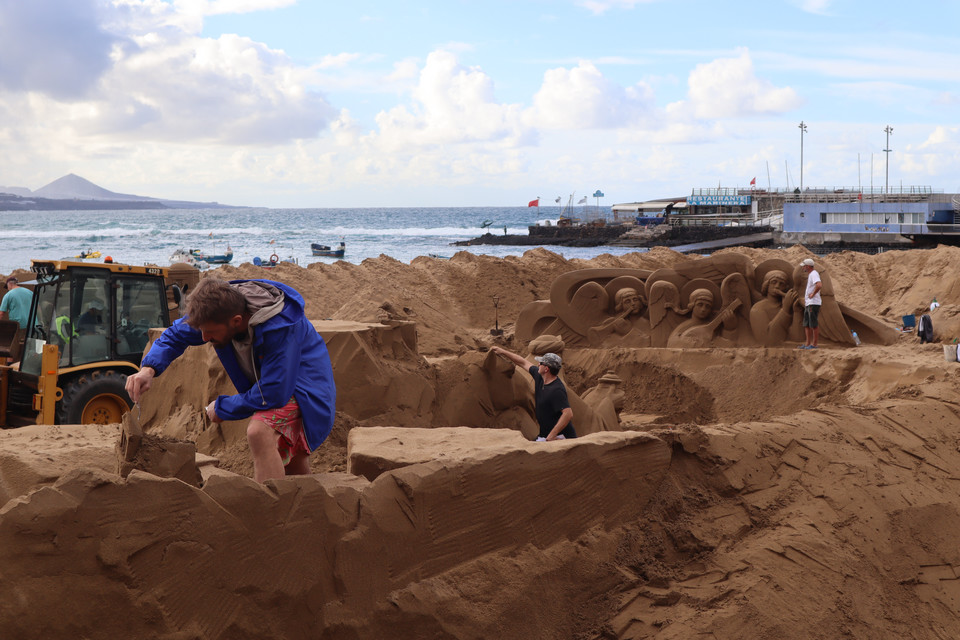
<point x="888" y="129"/>
<point x="803" y="130"/>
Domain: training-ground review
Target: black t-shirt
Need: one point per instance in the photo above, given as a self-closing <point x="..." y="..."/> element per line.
<point x="551" y="400"/>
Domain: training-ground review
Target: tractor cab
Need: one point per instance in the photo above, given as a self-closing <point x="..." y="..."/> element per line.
<point x="93" y="314"/>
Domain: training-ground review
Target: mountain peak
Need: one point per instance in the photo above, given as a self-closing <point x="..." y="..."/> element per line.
<point x="72" y="186"/>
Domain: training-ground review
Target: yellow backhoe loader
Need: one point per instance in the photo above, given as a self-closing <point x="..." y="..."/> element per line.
<point x="89" y="324"/>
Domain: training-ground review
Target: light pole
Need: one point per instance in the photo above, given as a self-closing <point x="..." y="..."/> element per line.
<point x="803" y="130"/>
<point x="888" y="129"/>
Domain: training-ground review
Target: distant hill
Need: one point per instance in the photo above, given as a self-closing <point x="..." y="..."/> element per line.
<point x="66" y="191"/>
<point x="73" y="187"/>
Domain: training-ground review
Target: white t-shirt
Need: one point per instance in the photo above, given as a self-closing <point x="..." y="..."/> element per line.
<point x="812" y="280"/>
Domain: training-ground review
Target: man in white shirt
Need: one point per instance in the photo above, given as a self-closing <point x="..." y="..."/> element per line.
<point x="811" y="306"/>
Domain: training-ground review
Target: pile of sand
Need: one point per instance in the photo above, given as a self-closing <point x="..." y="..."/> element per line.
<point x="805" y="494"/>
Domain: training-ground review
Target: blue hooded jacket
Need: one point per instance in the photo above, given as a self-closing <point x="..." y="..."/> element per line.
<point x="292" y="359"/>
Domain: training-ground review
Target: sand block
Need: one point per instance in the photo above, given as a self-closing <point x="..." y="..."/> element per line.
<point x="374" y="450"/>
<point x="164" y="457"/>
<point x="458" y="493"/>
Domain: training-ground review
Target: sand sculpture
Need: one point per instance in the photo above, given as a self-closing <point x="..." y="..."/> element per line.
<point x="825" y="481"/>
<point x="720" y="301"/>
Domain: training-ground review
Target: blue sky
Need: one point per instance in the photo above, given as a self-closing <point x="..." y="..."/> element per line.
<point x="470" y="103"/>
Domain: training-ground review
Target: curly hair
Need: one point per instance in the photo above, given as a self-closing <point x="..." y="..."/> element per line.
<point x="213" y="300"/>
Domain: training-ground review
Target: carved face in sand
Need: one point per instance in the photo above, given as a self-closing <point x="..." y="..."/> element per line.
<point x="628" y="299"/>
<point x="775" y="284"/>
<point x="702" y="303"/>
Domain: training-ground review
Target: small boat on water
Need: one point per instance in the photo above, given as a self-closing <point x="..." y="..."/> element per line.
<point x="327" y="252"/>
<point x="214" y="258"/>
<point x="87" y="253"/>
<point x="182" y="256"/>
<point x="274" y="261"/>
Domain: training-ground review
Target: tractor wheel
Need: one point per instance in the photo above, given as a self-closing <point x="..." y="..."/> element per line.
<point x="96" y="397"/>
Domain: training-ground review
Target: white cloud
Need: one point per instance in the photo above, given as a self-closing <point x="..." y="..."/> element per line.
<point x="152" y="79"/>
<point x="583" y="98"/>
<point x="940" y="137"/>
<point x="57" y="47"/>
<point x="450" y="104"/>
<point x="729" y="88"/>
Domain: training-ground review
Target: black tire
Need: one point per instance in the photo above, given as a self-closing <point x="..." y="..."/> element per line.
<point x="94" y="397"/>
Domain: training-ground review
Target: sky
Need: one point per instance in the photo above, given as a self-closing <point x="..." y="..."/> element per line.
<point x="371" y="103"/>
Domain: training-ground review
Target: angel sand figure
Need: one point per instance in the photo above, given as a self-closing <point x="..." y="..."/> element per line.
<point x="772" y="316"/>
<point x="628" y="327"/>
<point x="636" y="308"/>
<point x="703" y="328"/>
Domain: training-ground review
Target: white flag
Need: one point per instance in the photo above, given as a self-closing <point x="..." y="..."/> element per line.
<point x="583" y="200"/>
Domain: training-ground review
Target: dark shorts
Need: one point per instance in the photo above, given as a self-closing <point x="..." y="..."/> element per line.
<point x="811" y="316"/>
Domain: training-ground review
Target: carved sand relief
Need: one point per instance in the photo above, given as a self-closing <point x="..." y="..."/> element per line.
<point x="718" y="301"/>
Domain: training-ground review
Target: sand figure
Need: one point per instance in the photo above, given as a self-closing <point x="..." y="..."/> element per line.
<point x="580" y="301"/>
<point x="607" y="398"/>
<point x="703" y="328"/>
<point x="273" y="355"/>
<point x="628" y="327"/>
<point x="554" y="414"/>
<point x="666" y="312"/>
<point x="771" y="317"/>
<point x="595" y="307"/>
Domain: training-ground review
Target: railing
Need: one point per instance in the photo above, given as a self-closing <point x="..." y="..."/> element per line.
<point x="724" y="220"/>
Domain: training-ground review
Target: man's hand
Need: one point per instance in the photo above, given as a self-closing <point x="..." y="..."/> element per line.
<point x="139" y="383"/>
<point x="212" y="412"/>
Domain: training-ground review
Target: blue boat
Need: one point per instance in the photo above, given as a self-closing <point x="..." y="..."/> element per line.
<point x="224" y="258"/>
<point x="327" y="252"/>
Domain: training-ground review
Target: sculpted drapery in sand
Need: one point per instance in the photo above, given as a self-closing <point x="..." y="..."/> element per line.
<point x="718" y="301"/>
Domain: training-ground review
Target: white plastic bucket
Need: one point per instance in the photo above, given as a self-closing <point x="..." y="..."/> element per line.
<point x="950" y="352"/>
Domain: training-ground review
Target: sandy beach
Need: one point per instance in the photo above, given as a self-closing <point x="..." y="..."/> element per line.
<point x="744" y="492"/>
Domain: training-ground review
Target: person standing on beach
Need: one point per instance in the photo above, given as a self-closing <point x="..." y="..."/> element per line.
<point x="554" y="414"/>
<point x="811" y="306"/>
<point x="16" y="303"/>
<point x="274" y="357"/>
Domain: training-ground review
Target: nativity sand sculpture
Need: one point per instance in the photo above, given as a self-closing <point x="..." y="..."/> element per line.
<point x="718" y="301"/>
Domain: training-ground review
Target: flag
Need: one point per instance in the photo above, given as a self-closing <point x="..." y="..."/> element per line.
<point x="753" y="182"/>
<point x="557" y="200"/>
<point x="582" y="200"/>
<point x="534" y="203"/>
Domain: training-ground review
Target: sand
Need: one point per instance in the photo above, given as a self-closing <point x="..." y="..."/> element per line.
<point x="752" y="492"/>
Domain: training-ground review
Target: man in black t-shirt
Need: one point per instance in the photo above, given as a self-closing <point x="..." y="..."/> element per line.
<point x="554" y="414"/>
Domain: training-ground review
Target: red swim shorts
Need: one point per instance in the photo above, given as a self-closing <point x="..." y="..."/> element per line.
<point x="286" y="421"/>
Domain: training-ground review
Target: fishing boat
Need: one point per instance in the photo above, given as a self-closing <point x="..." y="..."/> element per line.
<point x="274" y="261"/>
<point x="327" y="252"/>
<point x="182" y="256"/>
<point x="223" y="258"/>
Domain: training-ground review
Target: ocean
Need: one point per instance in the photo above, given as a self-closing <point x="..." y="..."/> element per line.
<point x="150" y="237"/>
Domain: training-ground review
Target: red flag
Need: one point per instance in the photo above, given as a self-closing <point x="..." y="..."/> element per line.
<point x="534" y="203"/>
<point x="753" y="182"/>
